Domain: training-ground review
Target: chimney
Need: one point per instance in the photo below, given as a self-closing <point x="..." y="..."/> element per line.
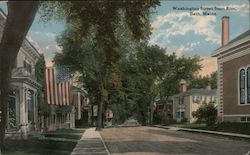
<point x="224" y="30"/>
<point x="183" y="86"/>
<point x="208" y="87"/>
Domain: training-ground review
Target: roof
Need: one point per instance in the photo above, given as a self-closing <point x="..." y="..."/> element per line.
<point x="197" y="92"/>
<point x="243" y="35"/>
<point x="238" y="38"/>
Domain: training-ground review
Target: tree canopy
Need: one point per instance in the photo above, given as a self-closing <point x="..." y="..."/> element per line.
<point x="100" y="19"/>
<point x="106" y="42"/>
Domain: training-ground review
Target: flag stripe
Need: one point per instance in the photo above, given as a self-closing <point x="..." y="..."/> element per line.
<point x="47" y="86"/>
<point x="65" y="93"/>
<point x="57" y="86"/>
<point x="62" y="89"/>
<point x="58" y="95"/>
<point x="68" y="92"/>
<point x="53" y="85"/>
<point x="60" y="92"/>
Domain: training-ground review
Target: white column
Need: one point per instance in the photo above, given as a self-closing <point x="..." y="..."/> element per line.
<point x="35" y="109"/>
<point x="22" y="105"/>
<point x="23" y="96"/>
<point x="79" y="105"/>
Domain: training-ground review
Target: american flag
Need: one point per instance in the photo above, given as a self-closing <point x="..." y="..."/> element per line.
<point x="57" y="85"/>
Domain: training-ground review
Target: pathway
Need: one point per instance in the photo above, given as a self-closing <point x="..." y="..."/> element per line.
<point x="91" y="143"/>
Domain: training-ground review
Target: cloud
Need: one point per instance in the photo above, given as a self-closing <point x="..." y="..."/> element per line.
<point x="52" y="48"/>
<point x="49" y="50"/>
<point x="194" y="44"/>
<point x="182" y="49"/>
<point x="48" y="62"/>
<point x="44" y="38"/>
<point x="209" y="65"/>
<point x="35" y="44"/>
<point x="180" y="23"/>
<point x="44" y="34"/>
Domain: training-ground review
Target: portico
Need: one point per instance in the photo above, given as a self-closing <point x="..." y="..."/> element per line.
<point x="23" y="107"/>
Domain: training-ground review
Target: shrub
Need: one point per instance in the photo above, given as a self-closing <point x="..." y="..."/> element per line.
<point x="207" y="113"/>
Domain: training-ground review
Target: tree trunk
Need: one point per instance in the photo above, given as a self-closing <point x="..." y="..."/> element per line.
<point x="19" y="19"/>
<point x="99" y="115"/>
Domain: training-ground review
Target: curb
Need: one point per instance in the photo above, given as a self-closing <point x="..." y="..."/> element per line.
<point x="206" y="131"/>
<point x="105" y="146"/>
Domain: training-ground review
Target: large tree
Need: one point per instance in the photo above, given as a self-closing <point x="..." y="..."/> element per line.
<point x="150" y="74"/>
<point x="104" y="16"/>
<point x="19" y="19"/>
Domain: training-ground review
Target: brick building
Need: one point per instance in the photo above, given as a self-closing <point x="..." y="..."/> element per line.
<point x="233" y="60"/>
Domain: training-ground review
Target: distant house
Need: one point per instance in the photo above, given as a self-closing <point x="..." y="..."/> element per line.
<point x="80" y="101"/>
<point x="233" y="60"/>
<point x="109" y="117"/>
<point x="67" y="103"/>
<point x="188" y="101"/>
<point x="23" y="105"/>
<point x="164" y="110"/>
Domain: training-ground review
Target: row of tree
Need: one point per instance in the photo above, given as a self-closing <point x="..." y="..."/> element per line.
<point x="103" y="16"/>
<point x="106" y="42"/>
<point x="140" y="74"/>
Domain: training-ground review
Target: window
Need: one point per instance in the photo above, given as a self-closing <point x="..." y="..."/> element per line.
<point x="245" y="119"/>
<point x="177" y="100"/>
<point x="27" y="66"/>
<point x="244" y="86"/>
<point x="194" y="99"/>
<point x="211" y="99"/>
<point x="182" y="100"/>
<point x="182" y="114"/>
<point x="248" y="85"/>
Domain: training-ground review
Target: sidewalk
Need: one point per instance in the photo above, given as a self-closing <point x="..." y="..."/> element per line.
<point x="91" y="143"/>
<point x="205" y="131"/>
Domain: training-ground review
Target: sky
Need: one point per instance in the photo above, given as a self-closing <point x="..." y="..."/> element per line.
<point x="174" y="27"/>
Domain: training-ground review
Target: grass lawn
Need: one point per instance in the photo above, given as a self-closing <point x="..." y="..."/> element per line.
<point x="241" y="128"/>
<point x="66" y="133"/>
<point x="38" y="147"/>
<point x="63" y="135"/>
<point x="45" y="147"/>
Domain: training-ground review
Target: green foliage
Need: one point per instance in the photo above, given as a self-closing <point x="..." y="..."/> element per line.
<point x="202" y="82"/>
<point x="104" y="15"/>
<point x="106" y="43"/>
<point x="40" y="70"/>
<point x="43" y="107"/>
<point x="207" y="113"/>
<point x="148" y="73"/>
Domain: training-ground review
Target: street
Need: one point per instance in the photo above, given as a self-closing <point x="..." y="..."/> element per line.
<point x="156" y="141"/>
